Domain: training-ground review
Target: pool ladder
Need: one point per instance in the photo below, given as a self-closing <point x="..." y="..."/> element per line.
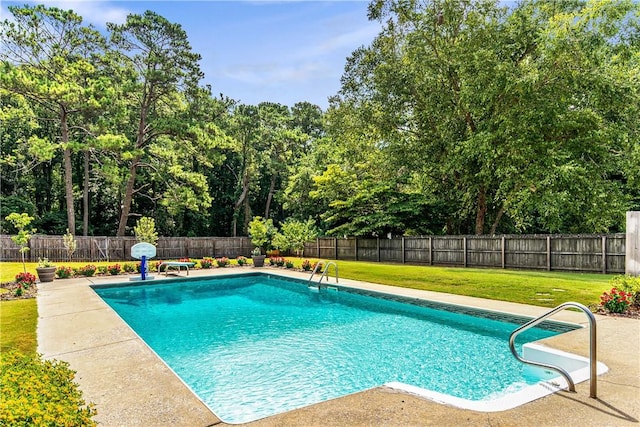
<point x="325" y="272"/>
<point x="592" y="346"/>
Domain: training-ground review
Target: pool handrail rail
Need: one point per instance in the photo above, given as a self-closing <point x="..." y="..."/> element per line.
<point x="325" y="271"/>
<point x="592" y="347"/>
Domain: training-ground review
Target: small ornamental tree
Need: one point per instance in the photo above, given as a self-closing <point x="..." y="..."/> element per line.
<point x="21" y="222"/>
<point x="145" y="230"/>
<point x="261" y="232"/>
<point x="70" y="244"/>
<point x="294" y="234"/>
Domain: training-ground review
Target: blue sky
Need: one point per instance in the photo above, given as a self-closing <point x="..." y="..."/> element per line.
<point x="254" y="51"/>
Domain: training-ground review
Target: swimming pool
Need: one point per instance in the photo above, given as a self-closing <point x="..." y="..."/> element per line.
<point x="255" y="345"/>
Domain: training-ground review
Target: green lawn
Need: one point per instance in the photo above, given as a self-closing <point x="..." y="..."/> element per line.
<point x="548" y="289"/>
<point x="18" y="321"/>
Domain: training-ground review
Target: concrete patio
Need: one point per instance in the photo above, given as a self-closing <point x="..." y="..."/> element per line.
<point x="131" y="386"/>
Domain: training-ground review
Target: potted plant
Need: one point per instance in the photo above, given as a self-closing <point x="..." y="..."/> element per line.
<point x="257" y="257"/>
<point x="261" y="232"/>
<point x="46" y="270"/>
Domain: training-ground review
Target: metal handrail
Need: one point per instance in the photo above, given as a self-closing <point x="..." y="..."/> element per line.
<point x="324" y="272"/>
<point x="565" y="374"/>
<point x="315" y="270"/>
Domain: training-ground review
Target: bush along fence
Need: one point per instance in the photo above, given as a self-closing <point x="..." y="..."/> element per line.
<point x="587" y="253"/>
<point x="97" y="248"/>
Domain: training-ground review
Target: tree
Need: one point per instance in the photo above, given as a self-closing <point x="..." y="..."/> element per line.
<point x="21" y="221"/>
<point x="294" y="234"/>
<point x="466" y="100"/>
<point x="46" y="57"/>
<point x="145" y="230"/>
<point x="165" y="67"/>
<point x="261" y="232"/>
<point x="70" y="244"/>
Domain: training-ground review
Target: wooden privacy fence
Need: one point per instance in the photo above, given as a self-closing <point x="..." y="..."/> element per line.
<point x="590" y="253"/>
<point x="102" y="248"/>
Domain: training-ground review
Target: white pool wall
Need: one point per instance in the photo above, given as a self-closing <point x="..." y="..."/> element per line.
<point x="576" y="366"/>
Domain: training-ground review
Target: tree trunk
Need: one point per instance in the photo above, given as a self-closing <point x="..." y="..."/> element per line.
<point x="240" y="201"/>
<point x="272" y="187"/>
<point x="133" y="168"/>
<point x="85" y="196"/>
<point x="128" y="197"/>
<point x="494" y="227"/>
<point x="482" y="210"/>
<point x="68" y="172"/>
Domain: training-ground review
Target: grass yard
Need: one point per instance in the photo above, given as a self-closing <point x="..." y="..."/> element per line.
<point x="18" y="321"/>
<point x="541" y="288"/>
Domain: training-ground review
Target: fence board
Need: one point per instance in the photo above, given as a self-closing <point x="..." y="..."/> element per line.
<point x="102" y="248"/>
<point x="536" y="252"/>
<point x="592" y="253"/>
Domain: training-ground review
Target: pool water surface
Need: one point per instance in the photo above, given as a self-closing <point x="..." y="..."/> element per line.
<point x="252" y="346"/>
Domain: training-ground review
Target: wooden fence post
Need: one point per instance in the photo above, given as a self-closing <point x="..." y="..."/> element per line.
<point x="548" y="253"/>
<point x="464" y="251"/>
<point x="430" y="250"/>
<point x="335" y="242"/>
<point x="378" y="249"/>
<point x="604" y="254"/>
<point x="502" y="250"/>
<point x="402" y="245"/>
<point x="356" y="247"/>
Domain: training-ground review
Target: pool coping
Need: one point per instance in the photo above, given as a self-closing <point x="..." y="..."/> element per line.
<point x="131" y="386"/>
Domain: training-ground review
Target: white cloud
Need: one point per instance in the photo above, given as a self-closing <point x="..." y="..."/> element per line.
<point x="352" y="39"/>
<point x="268" y="74"/>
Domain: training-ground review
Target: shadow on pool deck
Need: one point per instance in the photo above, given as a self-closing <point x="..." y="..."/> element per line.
<point x="131" y="386"/>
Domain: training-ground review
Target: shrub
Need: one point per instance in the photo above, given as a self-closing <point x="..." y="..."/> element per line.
<point x="222" y="262"/>
<point x="288" y="264"/>
<point x="241" y="261"/>
<point x="306" y="265"/>
<point x="25" y="280"/>
<point x="629" y="284"/>
<point x="102" y="269"/>
<point x="277" y="261"/>
<point x="261" y="231"/>
<point x="88" y="270"/>
<point x="616" y="301"/>
<point x="40" y="392"/>
<point x="145" y="230"/>
<point x="129" y="267"/>
<point x="114" y="269"/>
<point x="63" y="272"/>
<point x="206" y="263"/>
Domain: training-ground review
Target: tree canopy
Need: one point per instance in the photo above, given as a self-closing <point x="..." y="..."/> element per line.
<point x="460" y="117"/>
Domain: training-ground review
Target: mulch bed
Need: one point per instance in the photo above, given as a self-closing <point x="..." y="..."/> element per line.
<point x="9" y="292"/>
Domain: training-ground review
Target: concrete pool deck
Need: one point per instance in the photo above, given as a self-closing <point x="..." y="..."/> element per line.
<point x="131" y="386"/>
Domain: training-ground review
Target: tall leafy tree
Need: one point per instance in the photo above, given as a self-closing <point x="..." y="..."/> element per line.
<point x="471" y="97"/>
<point x="165" y="67"/>
<point x="47" y="58"/>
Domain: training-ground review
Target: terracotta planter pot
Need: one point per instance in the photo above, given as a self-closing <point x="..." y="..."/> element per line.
<point x="258" y="260"/>
<point x="46" y="274"/>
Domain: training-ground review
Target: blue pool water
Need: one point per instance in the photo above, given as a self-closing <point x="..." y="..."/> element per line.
<point x="254" y="346"/>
